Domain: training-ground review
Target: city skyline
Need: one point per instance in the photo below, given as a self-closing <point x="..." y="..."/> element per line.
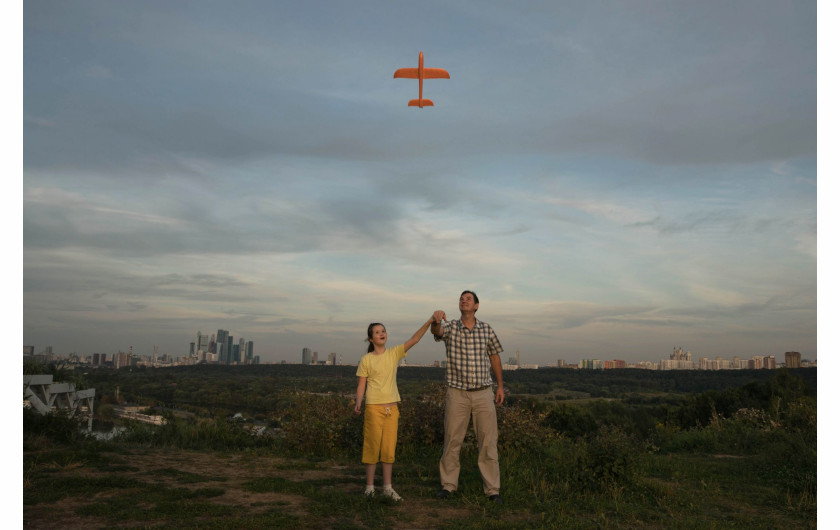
<point x="676" y="360"/>
<point x="610" y="179"/>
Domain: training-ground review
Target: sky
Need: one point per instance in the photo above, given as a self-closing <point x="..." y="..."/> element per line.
<point x="613" y="179"/>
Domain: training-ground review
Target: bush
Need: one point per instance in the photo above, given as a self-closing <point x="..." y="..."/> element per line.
<point x="421" y="424"/>
<point x="56" y="426"/>
<point x="421" y="418"/>
<point x="319" y="425"/>
<point x="217" y="435"/>
<point x="609" y="458"/>
<point x="801" y="416"/>
<point x="523" y="430"/>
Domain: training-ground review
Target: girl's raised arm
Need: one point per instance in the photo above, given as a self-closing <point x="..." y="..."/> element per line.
<point x="419" y="334"/>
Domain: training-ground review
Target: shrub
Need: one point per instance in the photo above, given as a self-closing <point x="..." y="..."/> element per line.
<point x="319" y="425"/>
<point x="570" y="420"/>
<point x="56" y="426"/>
<point x="523" y="430"/>
<point x="421" y="418"/>
<point x="202" y="434"/>
<point x="609" y="458"/>
<point x="801" y="416"/>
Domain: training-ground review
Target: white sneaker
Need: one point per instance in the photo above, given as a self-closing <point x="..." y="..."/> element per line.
<point x="390" y="493"/>
<point x="370" y="492"/>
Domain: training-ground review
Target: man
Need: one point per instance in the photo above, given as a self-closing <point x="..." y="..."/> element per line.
<point x="472" y="350"/>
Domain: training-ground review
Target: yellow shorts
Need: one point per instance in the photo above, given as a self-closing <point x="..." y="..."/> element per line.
<point x="380" y="434"/>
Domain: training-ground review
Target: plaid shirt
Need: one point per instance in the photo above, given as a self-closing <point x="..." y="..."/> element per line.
<point x="468" y="353"/>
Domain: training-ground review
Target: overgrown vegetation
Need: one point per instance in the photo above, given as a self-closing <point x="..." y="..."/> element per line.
<point x="633" y="455"/>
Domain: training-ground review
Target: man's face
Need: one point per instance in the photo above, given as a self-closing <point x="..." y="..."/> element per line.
<point x="467" y="303"/>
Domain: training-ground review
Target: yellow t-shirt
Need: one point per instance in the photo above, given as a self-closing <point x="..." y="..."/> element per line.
<point x="381" y="373"/>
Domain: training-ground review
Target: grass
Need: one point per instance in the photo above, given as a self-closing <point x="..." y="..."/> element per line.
<point x="258" y="490"/>
<point x="563" y="467"/>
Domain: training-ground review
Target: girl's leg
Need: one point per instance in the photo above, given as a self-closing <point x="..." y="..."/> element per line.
<point x="370" y="471"/>
<point x="389" y="444"/>
<point x="371" y="448"/>
<point x="387" y="468"/>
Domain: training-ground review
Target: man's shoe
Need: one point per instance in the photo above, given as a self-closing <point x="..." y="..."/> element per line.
<point x="496" y="498"/>
<point x="443" y="494"/>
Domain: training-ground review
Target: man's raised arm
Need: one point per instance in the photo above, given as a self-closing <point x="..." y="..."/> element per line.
<point x="438" y="316"/>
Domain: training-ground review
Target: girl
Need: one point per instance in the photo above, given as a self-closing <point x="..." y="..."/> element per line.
<point x="378" y="372"/>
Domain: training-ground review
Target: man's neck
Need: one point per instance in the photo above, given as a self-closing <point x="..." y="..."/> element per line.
<point x="468" y="319"/>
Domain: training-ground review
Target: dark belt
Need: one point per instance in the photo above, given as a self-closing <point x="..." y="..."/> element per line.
<point x="477" y="389"/>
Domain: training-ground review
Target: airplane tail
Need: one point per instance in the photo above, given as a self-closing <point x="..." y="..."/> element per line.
<point x="421" y="103"/>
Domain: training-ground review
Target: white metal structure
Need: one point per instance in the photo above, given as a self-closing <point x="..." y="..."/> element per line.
<point x="43" y="395"/>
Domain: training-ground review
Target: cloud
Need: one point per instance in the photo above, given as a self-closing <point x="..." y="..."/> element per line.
<point x="589" y="167"/>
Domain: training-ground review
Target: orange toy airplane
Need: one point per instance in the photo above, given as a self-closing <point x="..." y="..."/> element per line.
<point x="421" y="73"/>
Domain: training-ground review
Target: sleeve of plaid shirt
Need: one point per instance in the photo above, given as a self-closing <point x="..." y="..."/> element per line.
<point x="494" y="347"/>
<point x="445" y="328"/>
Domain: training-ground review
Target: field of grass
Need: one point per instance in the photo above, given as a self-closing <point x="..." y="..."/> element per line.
<point x="104" y="486"/>
<point x="592" y="465"/>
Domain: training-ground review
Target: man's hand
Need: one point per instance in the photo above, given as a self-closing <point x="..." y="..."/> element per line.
<point x="500" y="395"/>
<point x="437" y="316"/>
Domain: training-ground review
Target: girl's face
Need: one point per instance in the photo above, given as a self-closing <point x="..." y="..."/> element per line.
<point x="378" y="335"/>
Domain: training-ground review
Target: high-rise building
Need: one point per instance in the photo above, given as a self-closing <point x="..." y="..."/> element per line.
<point x="680" y="355"/>
<point x="591" y="364"/>
<point x="250" y="352"/>
<point x="793" y="359"/>
<point x="222" y="351"/>
<point x="202" y="342"/>
<point x="121" y="360"/>
<point x="29" y="350"/>
<point x="306" y="356"/>
<point x="331" y="358"/>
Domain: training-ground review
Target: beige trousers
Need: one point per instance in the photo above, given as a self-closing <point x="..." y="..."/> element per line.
<point x="460" y="406"/>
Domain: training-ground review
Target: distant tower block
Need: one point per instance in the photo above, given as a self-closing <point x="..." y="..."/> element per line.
<point x="793" y="359"/>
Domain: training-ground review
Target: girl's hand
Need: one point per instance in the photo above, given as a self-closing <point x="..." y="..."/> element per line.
<point x="358" y="410"/>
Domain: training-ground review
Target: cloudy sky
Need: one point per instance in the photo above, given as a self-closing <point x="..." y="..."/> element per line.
<point x="612" y="178"/>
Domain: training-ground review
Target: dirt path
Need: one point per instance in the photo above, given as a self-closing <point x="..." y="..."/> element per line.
<point x="190" y="469"/>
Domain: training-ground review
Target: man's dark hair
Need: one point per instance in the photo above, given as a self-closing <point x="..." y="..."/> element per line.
<point x="475" y="296"/>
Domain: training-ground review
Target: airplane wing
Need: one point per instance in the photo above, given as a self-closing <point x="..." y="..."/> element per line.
<point x="410" y="73"/>
<point x="435" y="73"/>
